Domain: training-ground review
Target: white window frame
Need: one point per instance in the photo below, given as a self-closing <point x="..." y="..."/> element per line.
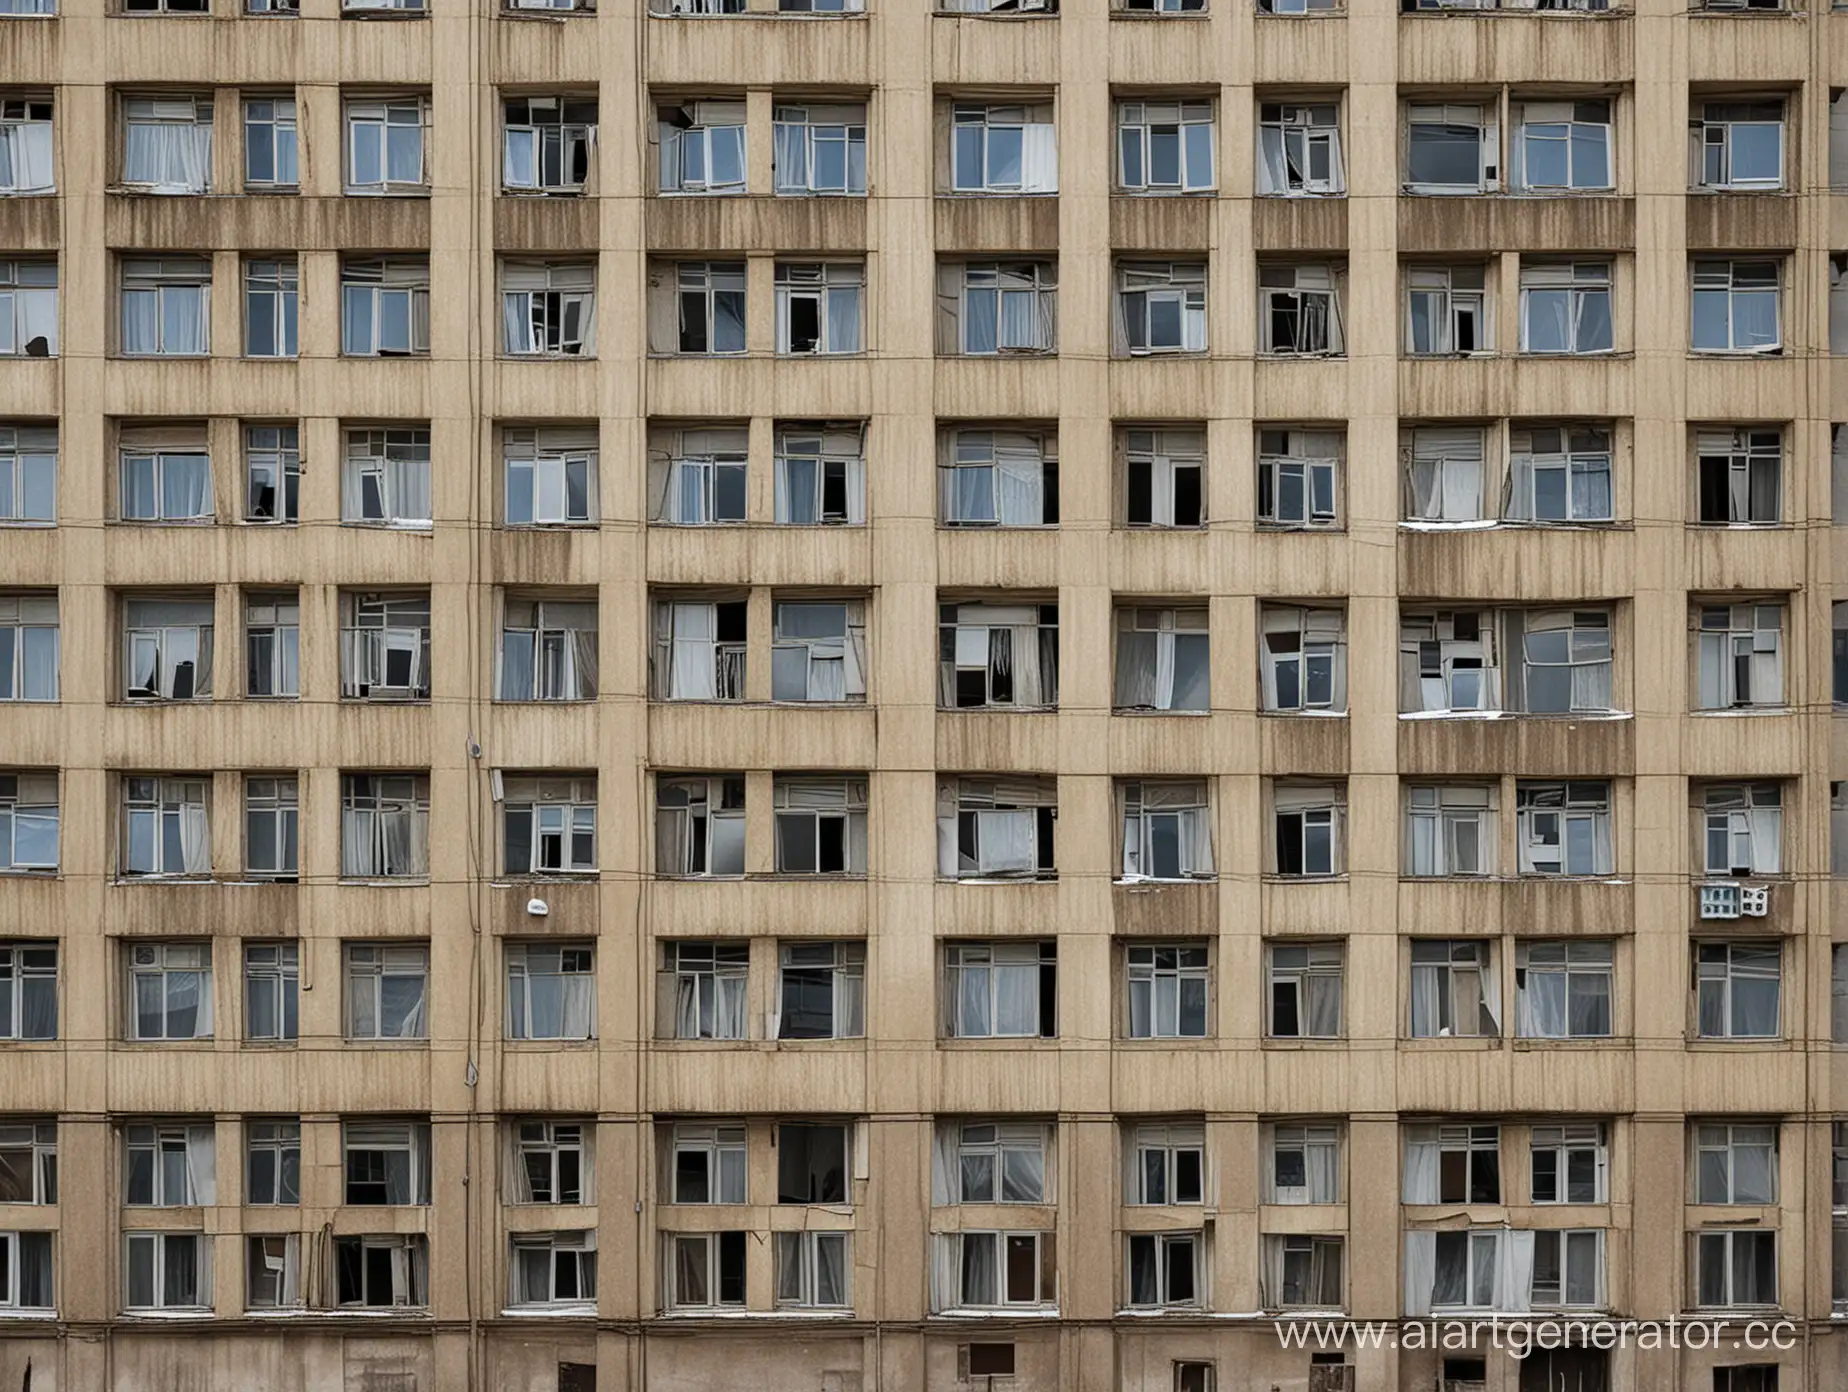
<point x="1580" y="284"/>
<point x="410" y="1275"/>
<point x="1452" y="299"/>
<point x="272" y="464"/>
<point x="171" y="816"/>
<point x="151" y="474"/>
<point x="1480" y="117"/>
<point x="411" y="1139"/>
<point x="1147" y="292"/>
<point x="387" y="288"/>
<point x="821" y="654"/>
<point x="550" y="475"/>
<point x="31" y="637"/>
<point x="1744" y="824"/>
<point x="1444" y="470"/>
<point x="1569" y="123"/>
<point x="710" y="982"/>
<point x="276" y="1138"/>
<point x="1165" y="456"/>
<point x="382" y="634"/>
<point x="365" y="967"/>
<point x="156" y="1143"/>
<point x="1565" y="469"/>
<point x="1288" y="1137"/>
<point x="834" y="455"/>
<point x="1308" y="295"/>
<point x="1734" y="278"/>
<point x="270" y="124"/>
<point x="1576" y="964"/>
<point x="548" y="309"/>
<point x="549" y="1142"/>
<point x="1306" y="974"/>
<point x="1017" y="302"/>
<point x="158" y="963"/>
<point x="28" y="975"/>
<point x="797" y="1257"/>
<point x="374" y="121"/>
<point x="996" y="478"/>
<point x="272" y="969"/>
<point x="26" y="139"/>
<point x="837" y="290"/>
<point x="1163" y="974"/>
<point x="1161" y="1252"/>
<point x="1721" y="968"/>
<point x="569" y="1259"/>
<point x="1315" y="1249"/>
<point x="1563" y="1242"/>
<point x="1305" y="465"/>
<point x="1299" y="810"/>
<point x="711" y="1251"/>
<point x="844" y="964"/>
<point x="566" y="138"/>
<point x="158" y="649"/>
<point x="33" y="798"/>
<point x="686" y="152"/>
<point x="28" y="301"/>
<point x="982" y="979"/>
<point x="1441" y="672"/>
<point x="155" y="1245"/>
<point x="1142" y="123"/>
<point x="1712" y="130"/>
<point x="1005" y="822"/>
<point x="1168" y="628"/>
<point x="560" y="638"/>
<point x="1589" y="647"/>
<point x="1589" y="1139"/>
<point x="1726" y="1240"/>
<point x="1437" y="846"/>
<point x="385" y="477"/>
<point x="1156" y="1149"/>
<point x="1304" y="658"/>
<point x="1036" y="140"/>
<point x="689" y="661"/>
<point x="573" y="966"/>
<point x="723" y="1146"/>
<point x="1551" y="813"/>
<point x="278" y="282"/>
<point x="1180" y="810"/>
<point x="1739" y="646"/>
<point x="272" y="1271"/>
<point x="168" y="112"/>
<point x="805" y="129"/>
<point x="1293" y="139"/>
<point x="272" y="825"/>
<point x="700" y="826"/>
<point x="1747" y="458"/>
<point x="36" y="1143"/>
<point x="1461" y="979"/>
<point x="156" y="278"/>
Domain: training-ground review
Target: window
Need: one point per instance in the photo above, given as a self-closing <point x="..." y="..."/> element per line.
<point x="385" y="145"/>
<point x="1302" y="1272"/>
<point x="1161" y="307"/>
<point x="1452" y="1164"/>
<point x="820" y="474"/>
<point x="270" y="298"/>
<point x="29" y="319"/>
<point x="548" y="649"/>
<point x="988" y="478"/>
<point x="990" y="828"/>
<point x="992" y="1270"/>
<point x="1165" y="1269"/>
<point x="1447" y="311"/>
<point x="166" y="475"/>
<point x="699" y="650"/>
<point x="273" y="1271"/>
<point x="699" y="826"/>
<point x="1569" y="1163"/>
<point x="821" y="990"/>
<point x="1838" y="624"/>
<point x="1299" y="148"/>
<point x="547" y="143"/>
<point x="709" y="1163"/>
<point x="702" y="147"/>
<point x="167" y="144"/>
<point x="1305" y="990"/>
<point x="1156" y="9"/>
<point x="1740" y="655"/>
<point x="1565" y="661"/>
<point x="1565" y="306"/>
<point x="705" y="1271"/>
<point x="552" y="1162"/>
<point x="1561" y="146"/>
<point x="165" y="306"/>
<point x="988" y="307"/>
<point x="1739" y="474"/>
<point x="548" y="309"/>
<point x="388" y="1270"/>
<point x="1735" y="1163"/>
<point x="29" y="1162"/>
<point x="168" y="1164"/>
<point x="1456" y="989"/>
<point x="1167" y="990"/>
<point x="1744" y="1377"/>
<point x="166" y="7"/>
<point x="1191" y="1375"/>
<point x="28" y="998"/>
<point x="1162" y="660"/>
<point x="165" y="829"/>
<point x="551" y="991"/>
<point x="551" y="476"/>
<point x="1304" y="1164"/>
<point x="1451" y="149"/>
<point x="1735" y="307"/>
<point x="1164" y="477"/>
<point x="170" y="991"/>
<point x="818" y="650"/>
<point x="386" y="1162"/>
<point x="553" y="1269"/>
<point x="1563" y="989"/>
<point x="985" y="1162"/>
<point x="385" y="307"/>
<point x="386" y="478"/>
<point x="272" y="644"/>
<point x="1450" y="830"/>
<point x="1165" y="147"/>
<point x="1737" y="989"/>
<point x="1559" y="473"/>
<point x="819" y="148"/>
<point x="1003" y="149"/>
<point x="167" y="649"/>
<point x="1568" y="1269"/>
<point x="818" y="306"/>
<point x="1443" y="473"/>
<point x="1736" y="145"/>
<point x="385" y="646"/>
<point x="1167" y="830"/>
<point x="387" y="991"/>
<point x="28" y="821"/>
<point x="272" y="978"/>
<point x="1735" y="1268"/>
<point x="820" y="825"/>
<point x="1000" y="990"/>
<point x="1310" y="821"/>
<point x="272" y="473"/>
<point x="1744" y="829"/>
<point x="702" y="990"/>
<point x="25" y="145"/>
<point x="1299" y="310"/>
<point x="270" y="145"/>
<point x="1563" y="828"/>
<point x="1305" y="659"/>
<point x="697" y="476"/>
<point x="167" y="1271"/>
<point x="811" y="1163"/>
<point x="28" y="647"/>
<point x="283" y="9"/>
<point x="812" y="1269"/>
<point x="271" y="829"/>
<point x="696" y="308"/>
<point x="1167" y="1163"/>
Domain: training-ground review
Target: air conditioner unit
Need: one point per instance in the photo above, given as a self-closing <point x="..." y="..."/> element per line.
<point x="1719" y="901"/>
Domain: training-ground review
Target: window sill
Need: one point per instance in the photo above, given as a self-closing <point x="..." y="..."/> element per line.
<point x="980" y="1044"/>
<point x="1540" y="1045"/>
<point x="202" y="1045"/>
<point x="395" y="1045"/>
<point x="420" y="527"/>
<point x="1174" y="1041"/>
<point x="1465" y="12"/>
<point x="1271" y="355"/>
<point x="1736" y="354"/>
<point x="1147" y="16"/>
<point x="1315" y="1045"/>
<point x="576" y="1310"/>
<point x="1135" y="712"/>
<point x="421" y="192"/>
<point x="1310" y="714"/>
<point x="1036" y="879"/>
<point x="1278" y="878"/>
<point x="384" y="882"/>
<point x="1476" y="1043"/>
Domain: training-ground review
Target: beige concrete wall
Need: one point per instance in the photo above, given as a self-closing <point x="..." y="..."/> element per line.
<point x="905" y="62"/>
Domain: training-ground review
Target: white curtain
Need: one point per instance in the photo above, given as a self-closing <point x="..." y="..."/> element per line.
<point x="169" y="155"/>
<point x="1019" y="488"/>
<point x="195" y="839"/>
<point x="140" y="321"/>
<point x="1270" y="1274"/>
<point x="25" y="156"/>
<point x="945" y="1271"/>
<point x="1421" y="1167"/>
<point x="577" y="1006"/>
<point x="691" y="676"/>
<point x="1039" y="158"/>
<point x="1541" y="1008"/>
<point x="201" y="1166"/>
<point x="1004" y="841"/>
<point x="1426" y="1003"/>
<point x="291" y="1292"/>
<point x="1420" y="1271"/>
<point x="1324" y="1173"/>
<point x="945" y="1169"/>
<point x="1514" y="1273"/>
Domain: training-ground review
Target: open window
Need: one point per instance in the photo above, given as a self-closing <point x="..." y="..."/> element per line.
<point x="1452" y="148"/>
<point x="1450" y="830"/>
<point x="696" y="308"/>
<point x="1447" y="661"/>
<point x="1306" y="986"/>
<point x="820" y="825"/>
<point x="1561" y="146"/>
<point x="1160" y="307"/>
<point x="1739" y="653"/>
<point x="1443" y="473"/>
<point x="1299" y="149"/>
<point x="997" y="656"/>
<point x="818" y="650"/>
<point x="1456" y="989"/>
<point x="1304" y="659"/>
<point x="548" y="825"/>
<point x="548" y="649"/>
<point x="550" y="473"/>
<point x="1447" y="311"/>
<point x="1164" y="476"/>
<point x="997" y="307"/>
<point x="385" y="477"/>
<point x="1559" y="473"/>
<point x="699" y="826"/>
<point x="1736" y="145"/>
<point x="166" y="474"/>
<point x="1003" y="148"/>
<point x="1563" y="828"/>
<point x="819" y="307"/>
<point x="548" y="309"/>
<point x="385" y="306"/>
<point x="549" y="144"/>
<point x="995" y="828"/>
<point x="819" y="148"/>
<point x="1740" y="475"/>
<point x="1000" y="990"/>
<point x="820" y="474"/>
<point x="1565" y="306"/>
<point x="702" y="146"/>
<point x="385" y="646"/>
<point x="1310" y="829"/>
<point x="698" y="652"/>
<point x="1005" y="478"/>
<point x="167" y="647"/>
<point x="1300" y="310"/>
<point x="1162" y="659"/>
<point x="697" y="474"/>
<point x="1167" y="829"/>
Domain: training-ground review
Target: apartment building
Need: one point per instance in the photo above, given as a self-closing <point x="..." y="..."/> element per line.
<point x="870" y="697"/>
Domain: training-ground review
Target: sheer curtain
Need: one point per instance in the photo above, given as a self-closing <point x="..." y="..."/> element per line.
<point x="1039" y="158"/>
<point x="691" y="669"/>
<point x="1541" y="1005"/>
<point x="577" y="1006"/>
<point x="1514" y="1270"/>
<point x="1019" y="488"/>
<point x="1004" y="841"/>
<point x="195" y="839"/>
<point x="1421" y="1166"/>
<point x="201" y="1166"/>
<point x="945" y="1271"/>
<point x="843" y="319"/>
<point x="1427" y="992"/>
<point x="945" y="1168"/>
<point x="140" y="321"/>
<point x="1420" y="1271"/>
<point x="1324" y="1172"/>
<point x="169" y="155"/>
